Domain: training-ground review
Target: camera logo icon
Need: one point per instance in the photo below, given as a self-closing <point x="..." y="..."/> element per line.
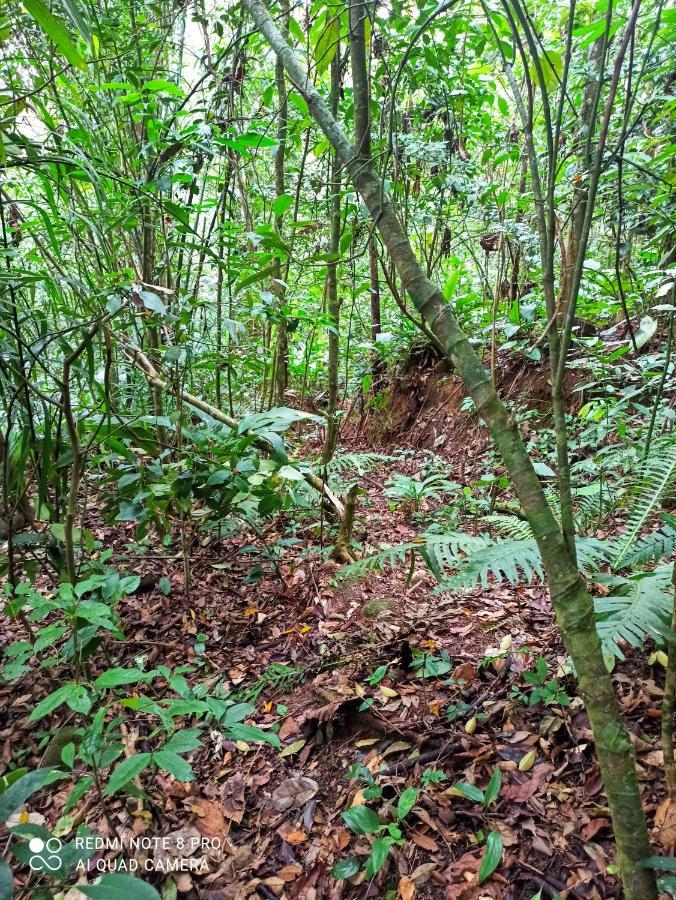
<point x="46" y="854"/>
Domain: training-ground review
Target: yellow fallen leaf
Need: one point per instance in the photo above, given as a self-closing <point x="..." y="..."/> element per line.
<point x="662" y="658"/>
<point x="528" y="761"/>
<point x="388" y="691"/>
<point x="506" y="643"/>
<point x="242" y="745"/>
<point x="470" y="727"/>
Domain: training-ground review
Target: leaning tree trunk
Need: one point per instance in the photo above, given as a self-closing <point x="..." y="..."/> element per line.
<point x="571" y="600"/>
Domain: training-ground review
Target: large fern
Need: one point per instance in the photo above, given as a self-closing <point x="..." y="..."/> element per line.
<point x="655" y="479"/>
<point x="639" y="607"/>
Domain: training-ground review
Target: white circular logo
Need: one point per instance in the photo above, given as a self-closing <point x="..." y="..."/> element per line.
<point x="50" y="858"/>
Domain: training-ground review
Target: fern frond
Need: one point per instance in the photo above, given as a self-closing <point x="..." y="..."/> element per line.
<point x="509" y="525"/>
<point x="652" y="547"/>
<point x="506" y="559"/>
<point x="640" y="607"/>
<point x="592" y="553"/>
<point x="656" y="477"/>
<point x="356" y="462"/>
<point x="447" y="551"/>
<point x="387" y="558"/>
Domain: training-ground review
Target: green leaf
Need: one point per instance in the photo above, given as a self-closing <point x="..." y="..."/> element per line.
<point x="251" y="733"/>
<point x="160" y="86"/>
<point x="152" y="302"/>
<point x="293" y="748"/>
<point x="543" y="470"/>
<point x="327" y="44"/>
<point x="53" y="700"/>
<point x="236" y="713"/>
<point x="346" y="868"/>
<point x="119" y="887"/>
<point x="6" y="880"/>
<point x="493" y="787"/>
<point x="165" y="585"/>
<point x="361" y="820"/>
<point x="281" y="204"/>
<point x="492" y="856"/>
<point x="79" y="18"/>
<point x="56" y="31"/>
<point x="174" y="764"/>
<point x="470" y="791"/>
<point x="20" y="790"/>
<point x="184" y="741"/>
<point x="380" y="849"/>
<point x="661" y="863"/>
<point x="79" y="700"/>
<point x="126" y="771"/>
<point x="406" y="802"/>
<point x="116" y="677"/>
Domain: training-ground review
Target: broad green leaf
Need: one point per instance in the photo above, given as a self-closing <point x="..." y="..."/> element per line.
<point x="174" y="764"/>
<point x="327" y="44"/>
<point x="346" y="868"/>
<point x="79" y="17"/>
<point x="406" y="802"/>
<point x="251" y="733"/>
<point x="115" y="677"/>
<point x="18" y="792"/>
<point x="493" y="787"/>
<point x="470" y="791"/>
<point x="126" y="771"/>
<point x="184" y="741"/>
<point x="54" y="700"/>
<point x="160" y="86"/>
<point x="361" y="820"/>
<point x="281" y="204"/>
<point x="492" y="856"/>
<point x="6" y="880"/>
<point x="380" y="849"/>
<point x="56" y="31"/>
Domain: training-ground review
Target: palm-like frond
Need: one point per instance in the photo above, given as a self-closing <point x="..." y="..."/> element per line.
<point x="355" y="462"/>
<point x="652" y="547"/>
<point x="640" y="607"/>
<point x="655" y="479"/>
<point x="510" y="525"/>
<point x="386" y="558"/>
<point x="505" y="559"/>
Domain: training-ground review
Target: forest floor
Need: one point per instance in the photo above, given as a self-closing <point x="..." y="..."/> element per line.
<point x="329" y="661"/>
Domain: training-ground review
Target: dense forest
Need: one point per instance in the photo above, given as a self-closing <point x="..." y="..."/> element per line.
<point x="338" y="462"/>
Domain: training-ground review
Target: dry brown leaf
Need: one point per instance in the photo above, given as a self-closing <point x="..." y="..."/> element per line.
<point x="289" y="873"/>
<point x="464" y="672"/>
<point x="665" y="823"/>
<point x="233" y="804"/>
<point x="210" y="820"/>
<point x="294" y="792"/>
<point x="288" y="728"/>
<point x="423" y="873"/>
<point x="422" y="840"/>
<point x="291" y="834"/>
<point x="406" y="888"/>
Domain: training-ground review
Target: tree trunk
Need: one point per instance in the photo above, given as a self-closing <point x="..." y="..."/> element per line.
<point x="571" y="600"/>
<point x="280" y="363"/>
<point x="332" y="299"/>
<point x="361" y="91"/>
